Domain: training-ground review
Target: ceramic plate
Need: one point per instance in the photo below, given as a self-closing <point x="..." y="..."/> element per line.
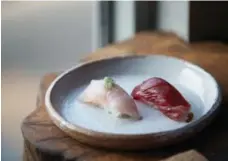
<point x="96" y="127"/>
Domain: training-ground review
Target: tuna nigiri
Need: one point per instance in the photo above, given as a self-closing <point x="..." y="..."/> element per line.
<point x="160" y="94"/>
<point x="106" y="94"/>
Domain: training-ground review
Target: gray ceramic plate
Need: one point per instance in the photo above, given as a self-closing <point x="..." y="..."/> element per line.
<point x="95" y="127"/>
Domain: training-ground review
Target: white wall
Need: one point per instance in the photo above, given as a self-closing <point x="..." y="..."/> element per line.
<point x="174" y="16"/>
<point x="124" y="20"/>
<point x="171" y="16"/>
<point x="38" y="37"/>
<point x="35" y="32"/>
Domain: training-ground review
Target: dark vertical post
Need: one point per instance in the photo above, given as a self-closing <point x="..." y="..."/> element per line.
<point x="107" y="13"/>
<point x="146" y="13"/>
<point x="208" y="21"/>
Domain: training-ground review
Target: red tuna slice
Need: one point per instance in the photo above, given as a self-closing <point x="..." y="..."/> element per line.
<point x="163" y="96"/>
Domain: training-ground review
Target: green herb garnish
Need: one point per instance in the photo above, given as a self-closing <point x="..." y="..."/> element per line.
<point x="109" y="82"/>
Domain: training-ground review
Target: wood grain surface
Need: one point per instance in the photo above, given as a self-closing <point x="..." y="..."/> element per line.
<point x="44" y="141"/>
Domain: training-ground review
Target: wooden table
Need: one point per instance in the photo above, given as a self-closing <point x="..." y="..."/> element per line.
<point x="44" y="141"/>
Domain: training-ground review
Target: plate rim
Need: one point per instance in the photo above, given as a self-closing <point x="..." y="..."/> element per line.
<point x="63" y="124"/>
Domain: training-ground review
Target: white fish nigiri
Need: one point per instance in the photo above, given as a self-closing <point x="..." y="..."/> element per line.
<point x="111" y="97"/>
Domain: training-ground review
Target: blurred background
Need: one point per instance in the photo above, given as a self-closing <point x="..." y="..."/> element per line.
<point x="42" y="37"/>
